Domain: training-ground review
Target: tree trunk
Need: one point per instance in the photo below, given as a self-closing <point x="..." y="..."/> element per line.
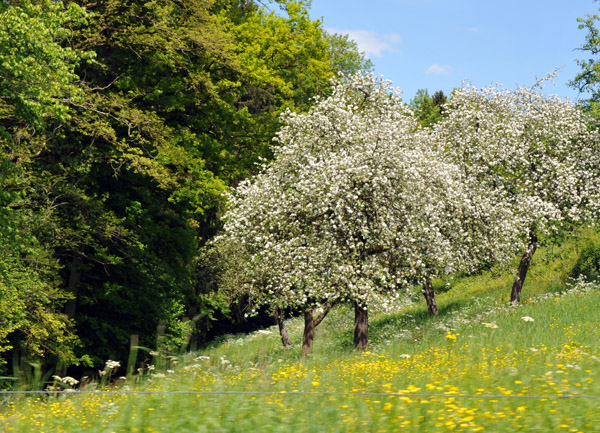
<point x="515" y="295"/>
<point x="73" y="283"/>
<point x="326" y="308"/>
<point x="430" y="297"/>
<point x="309" y="332"/>
<point x="285" y="338"/>
<point x="361" y="327"/>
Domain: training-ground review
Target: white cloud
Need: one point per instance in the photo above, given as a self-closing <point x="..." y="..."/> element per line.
<point x="369" y="42"/>
<point x="393" y="38"/>
<point x="436" y="69"/>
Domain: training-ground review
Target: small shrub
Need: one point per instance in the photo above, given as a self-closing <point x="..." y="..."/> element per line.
<point x="588" y="263"/>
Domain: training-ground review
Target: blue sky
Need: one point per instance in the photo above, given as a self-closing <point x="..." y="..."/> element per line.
<point x="436" y="44"/>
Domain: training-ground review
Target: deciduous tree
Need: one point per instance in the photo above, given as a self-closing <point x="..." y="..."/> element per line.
<point x="536" y="148"/>
<point x="354" y="207"/>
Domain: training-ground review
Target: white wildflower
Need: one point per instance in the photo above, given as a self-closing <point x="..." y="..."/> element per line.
<point x="110" y="365"/>
<point x="70" y="381"/>
<point x="191" y="367"/>
<point x="490" y="325"/>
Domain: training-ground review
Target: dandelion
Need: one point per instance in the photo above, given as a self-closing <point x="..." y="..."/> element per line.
<point x="451" y="336"/>
<point x="527" y="319"/>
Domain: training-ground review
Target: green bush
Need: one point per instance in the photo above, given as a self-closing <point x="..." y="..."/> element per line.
<point x="588" y="263"/>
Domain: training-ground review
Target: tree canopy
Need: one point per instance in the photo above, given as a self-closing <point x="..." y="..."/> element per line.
<point x="358" y="205"/>
<point x="121" y="125"/>
<point x="537" y="149"/>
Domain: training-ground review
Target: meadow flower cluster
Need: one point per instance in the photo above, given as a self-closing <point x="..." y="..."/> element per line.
<point x="466" y="380"/>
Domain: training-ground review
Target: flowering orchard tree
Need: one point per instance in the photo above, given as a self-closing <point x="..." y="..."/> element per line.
<point x="458" y="225"/>
<point x="536" y="149"/>
<point x="354" y="206"/>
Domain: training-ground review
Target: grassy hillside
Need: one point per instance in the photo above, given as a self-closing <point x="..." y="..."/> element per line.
<point x="482" y="365"/>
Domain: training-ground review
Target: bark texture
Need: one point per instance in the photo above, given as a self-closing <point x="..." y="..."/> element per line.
<point x="430" y="297"/>
<point x="515" y="295"/>
<point x="285" y="338"/>
<point x="309" y="333"/>
<point x="361" y="327"/>
<point x="326" y="308"/>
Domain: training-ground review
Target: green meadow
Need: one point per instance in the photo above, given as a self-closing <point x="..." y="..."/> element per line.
<point x="480" y="366"/>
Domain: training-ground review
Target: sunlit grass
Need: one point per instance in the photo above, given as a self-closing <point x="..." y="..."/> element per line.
<point x="482" y="365"/>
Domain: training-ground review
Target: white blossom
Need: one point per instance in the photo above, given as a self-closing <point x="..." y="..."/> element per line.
<point x="536" y="150"/>
<point x="357" y="204"/>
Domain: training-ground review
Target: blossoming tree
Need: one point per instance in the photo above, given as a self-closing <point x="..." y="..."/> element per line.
<point x="354" y="206"/>
<point x="536" y="148"/>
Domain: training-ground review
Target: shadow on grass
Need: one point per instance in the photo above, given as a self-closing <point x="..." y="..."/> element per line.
<point x="410" y="325"/>
<point x="418" y="317"/>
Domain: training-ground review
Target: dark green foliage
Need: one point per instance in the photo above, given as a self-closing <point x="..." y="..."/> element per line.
<point x="428" y="109"/>
<point x="121" y="126"/>
<point x="588" y="262"/>
<point x="37" y="78"/>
